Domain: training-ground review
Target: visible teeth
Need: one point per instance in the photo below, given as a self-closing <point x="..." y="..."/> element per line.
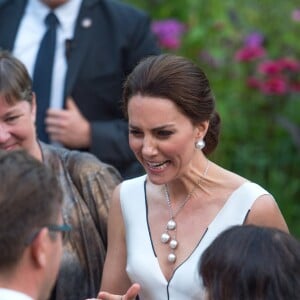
<point x="157" y="165"/>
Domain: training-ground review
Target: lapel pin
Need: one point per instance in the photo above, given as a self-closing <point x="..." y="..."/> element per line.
<point x="86" y="23"/>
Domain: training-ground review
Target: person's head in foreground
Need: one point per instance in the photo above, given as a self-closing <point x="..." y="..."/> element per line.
<point x="31" y="226"/>
<point x="252" y="263"/>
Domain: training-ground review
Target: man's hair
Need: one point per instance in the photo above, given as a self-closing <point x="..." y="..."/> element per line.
<point x="30" y="198"/>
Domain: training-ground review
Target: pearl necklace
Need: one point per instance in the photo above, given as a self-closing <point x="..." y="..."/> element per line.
<point x="169" y="235"/>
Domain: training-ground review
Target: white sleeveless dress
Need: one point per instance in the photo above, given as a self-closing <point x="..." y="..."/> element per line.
<point x="142" y="264"/>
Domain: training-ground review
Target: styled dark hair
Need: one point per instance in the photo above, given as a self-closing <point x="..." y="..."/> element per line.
<point x="177" y="79"/>
<point x="252" y="263"/>
<point x="30" y="198"/>
<point x="15" y="82"/>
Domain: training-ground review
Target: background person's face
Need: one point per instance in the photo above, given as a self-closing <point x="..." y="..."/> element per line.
<point x="17" y="126"/>
<point x="54" y="3"/>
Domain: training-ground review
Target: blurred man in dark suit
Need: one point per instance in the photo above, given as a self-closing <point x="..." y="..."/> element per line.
<point x="98" y="42"/>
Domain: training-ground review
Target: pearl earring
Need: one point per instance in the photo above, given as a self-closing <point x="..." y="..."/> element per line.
<point x="200" y="144"/>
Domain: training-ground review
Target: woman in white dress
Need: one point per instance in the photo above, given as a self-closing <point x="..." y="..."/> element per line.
<point x="160" y="223"/>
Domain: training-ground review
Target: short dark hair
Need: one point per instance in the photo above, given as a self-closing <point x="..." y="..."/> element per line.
<point x="251" y="262"/>
<point x="15" y="82"/>
<point x="178" y="79"/>
<point x="30" y="198"/>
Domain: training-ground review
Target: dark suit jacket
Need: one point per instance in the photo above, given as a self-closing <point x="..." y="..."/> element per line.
<point x="99" y="58"/>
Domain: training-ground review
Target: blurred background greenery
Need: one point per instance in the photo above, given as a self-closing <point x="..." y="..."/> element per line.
<point x="250" y="51"/>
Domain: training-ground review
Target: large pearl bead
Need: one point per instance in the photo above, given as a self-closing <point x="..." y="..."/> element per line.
<point x="171" y="257"/>
<point x="171" y="225"/>
<point x="173" y="244"/>
<point x="164" y="238"/>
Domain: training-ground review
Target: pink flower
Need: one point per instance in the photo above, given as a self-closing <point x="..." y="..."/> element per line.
<point x="296" y="15"/>
<point x="250" y="53"/>
<point x="289" y="64"/>
<point x="169" y="33"/>
<point x="274" y="86"/>
<point x="270" y="67"/>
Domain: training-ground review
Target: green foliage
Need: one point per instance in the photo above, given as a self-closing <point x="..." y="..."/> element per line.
<point x="260" y="133"/>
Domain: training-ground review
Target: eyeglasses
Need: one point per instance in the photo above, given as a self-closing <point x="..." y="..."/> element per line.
<point x="64" y="229"/>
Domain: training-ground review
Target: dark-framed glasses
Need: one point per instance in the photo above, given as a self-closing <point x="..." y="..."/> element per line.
<point x="63" y="228"/>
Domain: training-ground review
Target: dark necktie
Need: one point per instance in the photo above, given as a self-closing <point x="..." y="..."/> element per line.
<point x="42" y="75"/>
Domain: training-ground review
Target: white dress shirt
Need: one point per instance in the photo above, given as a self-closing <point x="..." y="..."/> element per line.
<point x="6" y="294"/>
<point x="31" y="32"/>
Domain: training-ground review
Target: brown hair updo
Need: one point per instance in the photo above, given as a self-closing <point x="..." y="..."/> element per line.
<point x="177" y="79"/>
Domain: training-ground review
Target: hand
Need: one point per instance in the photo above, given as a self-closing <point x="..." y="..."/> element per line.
<point x="68" y="126"/>
<point x="131" y="294"/>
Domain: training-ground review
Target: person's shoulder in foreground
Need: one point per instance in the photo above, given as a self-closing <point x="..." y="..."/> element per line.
<point x="252" y="262"/>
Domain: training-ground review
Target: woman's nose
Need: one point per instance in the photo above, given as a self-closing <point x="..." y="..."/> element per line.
<point x="149" y="147"/>
<point x="4" y="133"/>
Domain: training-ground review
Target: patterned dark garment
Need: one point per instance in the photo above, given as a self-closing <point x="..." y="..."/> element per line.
<point x="87" y="184"/>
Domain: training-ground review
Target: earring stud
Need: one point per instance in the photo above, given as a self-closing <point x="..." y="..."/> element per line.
<point x="200" y="144"/>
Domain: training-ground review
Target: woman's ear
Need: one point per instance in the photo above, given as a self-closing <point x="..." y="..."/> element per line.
<point x="33" y="107"/>
<point x="201" y="130"/>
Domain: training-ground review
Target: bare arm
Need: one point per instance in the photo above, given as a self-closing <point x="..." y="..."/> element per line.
<point x="265" y="212"/>
<point x="114" y="278"/>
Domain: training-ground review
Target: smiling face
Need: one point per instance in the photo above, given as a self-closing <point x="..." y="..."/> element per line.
<point x="17" y="107"/>
<point x="17" y="129"/>
<point x="162" y="138"/>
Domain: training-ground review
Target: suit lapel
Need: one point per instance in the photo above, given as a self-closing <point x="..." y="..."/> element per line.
<point x="12" y="8"/>
<point x="80" y="44"/>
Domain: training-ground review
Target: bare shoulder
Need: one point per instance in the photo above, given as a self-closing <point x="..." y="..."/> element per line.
<point x="116" y="196"/>
<point x="265" y="212"/>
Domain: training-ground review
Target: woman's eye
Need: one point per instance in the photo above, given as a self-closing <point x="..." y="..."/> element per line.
<point x="135" y="132"/>
<point x="164" y="133"/>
